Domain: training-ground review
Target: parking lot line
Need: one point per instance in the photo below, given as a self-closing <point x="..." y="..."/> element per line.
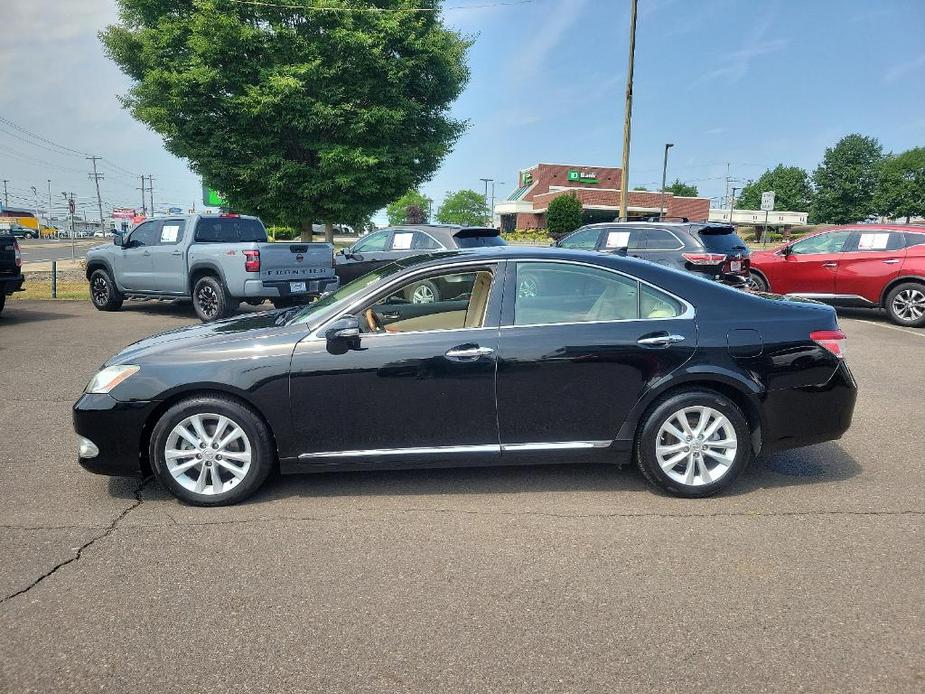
<point x="890" y="327"/>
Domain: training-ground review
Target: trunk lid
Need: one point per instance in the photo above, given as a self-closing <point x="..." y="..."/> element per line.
<point x="723" y="240"/>
<point x="296" y="261"/>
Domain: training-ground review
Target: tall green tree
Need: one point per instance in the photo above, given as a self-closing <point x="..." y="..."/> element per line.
<point x="846" y="179"/>
<point x="398" y="210"/>
<point x="465" y="207"/>
<point x="682" y="189"/>
<point x="563" y="215"/>
<point x="791" y="186"/>
<point x="296" y="114"/>
<point x="900" y="188"/>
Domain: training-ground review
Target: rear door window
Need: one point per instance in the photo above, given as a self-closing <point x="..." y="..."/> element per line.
<point x="874" y="241"/>
<point x="172" y="231"/>
<point x="229" y="230"/>
<point x="721" y="240"/>
<point x="401" y="240"/>
<point x="661" y="240"/>
<point x="424" y="242"/>
<point x="914" y="239"/>
<point x="621" y="237"/>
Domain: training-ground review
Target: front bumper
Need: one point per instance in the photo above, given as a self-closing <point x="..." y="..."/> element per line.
<point x="812" y="414"/>
<point x="11" y="283"/>
<point x="116" y="429"/>
<point x="283" y="288"/>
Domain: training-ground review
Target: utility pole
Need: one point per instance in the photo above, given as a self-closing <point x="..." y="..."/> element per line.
<point x="49" y="202"/>
<point x="69" y="201"/>
<point x="732" y="202"/>
<point x="661" y="212"/>
<point x="96" y="179"/>
<point x="628" y="113"/>
<point x="485" y="198"/>
<point x="151" y="192"/>
<point x="38" y="221"/>
<point x="144" y="204"/>
<point x="6" y="195"/>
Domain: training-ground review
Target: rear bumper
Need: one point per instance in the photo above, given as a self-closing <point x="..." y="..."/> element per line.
<point x="812" y="414"/>
<point x="11" y="283"/>
<point x="115" y="428"/>
<point x="283" y="288"/>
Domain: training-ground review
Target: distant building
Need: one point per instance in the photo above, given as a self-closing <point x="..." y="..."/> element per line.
<point x="598" y="189"/>
<point x="756" y="218"/>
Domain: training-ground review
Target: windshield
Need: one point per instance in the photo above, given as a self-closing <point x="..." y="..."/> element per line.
<point x="479" y="241"/>
<point x="229" y="230"/>
<point x="721" y="239"/>
<point x="359" y="284"/>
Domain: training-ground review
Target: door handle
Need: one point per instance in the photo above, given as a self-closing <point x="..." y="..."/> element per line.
<point x="468" y="353"/>
<point x="830" y="264"/>
<point x="176" y="253"/>
<point x="891" y="261"/>
<point x="659" y="340"/>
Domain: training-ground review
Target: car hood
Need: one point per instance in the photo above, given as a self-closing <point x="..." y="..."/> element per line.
<point x="219" y="336"/>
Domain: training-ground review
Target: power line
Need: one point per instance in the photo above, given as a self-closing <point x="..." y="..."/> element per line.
<point x="39" y="137"/>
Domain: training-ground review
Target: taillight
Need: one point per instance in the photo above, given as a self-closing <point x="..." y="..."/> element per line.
<point x="832" y="340"/>
<point x="230" y="215"/>
<point x="17" y="253"/>
<point x="704" y="258"/>
<point x="252" y="261"/>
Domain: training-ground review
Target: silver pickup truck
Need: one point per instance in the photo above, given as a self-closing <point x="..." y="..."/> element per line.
<point x="216" y="260"/>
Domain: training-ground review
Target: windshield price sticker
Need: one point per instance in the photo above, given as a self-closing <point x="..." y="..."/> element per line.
<point x="401" y="242"/>
<point x="169" y="233"/>
<point x="618" y="239"/>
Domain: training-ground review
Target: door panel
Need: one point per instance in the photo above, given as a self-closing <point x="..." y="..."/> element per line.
<point x="811" y="266"/>
<point x="871" y="260"/>
<point x="135" y="268"/>
<point x="169" y="260"/>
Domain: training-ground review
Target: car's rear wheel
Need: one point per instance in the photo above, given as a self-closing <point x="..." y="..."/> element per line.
<point x="905" y="304"/>
<point x="757" y="282"/>
<point x="209" y="299"/>
<point x="211" y="451"/>
<point x="425" y="292"/>
<point x="103" y="292"/>
<point x="693" y="443"/>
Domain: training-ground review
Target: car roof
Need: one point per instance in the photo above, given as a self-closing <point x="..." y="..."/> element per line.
<point x="490" y="253"/>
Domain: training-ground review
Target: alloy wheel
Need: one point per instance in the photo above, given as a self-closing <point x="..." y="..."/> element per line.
<point x="909" y="304"/>
<point x="208" y="454"/>
<point x="208" y="300"/>
<point x="696" y="446"/>
<point x="99" y="288"/>
<point x="423" y="294"/>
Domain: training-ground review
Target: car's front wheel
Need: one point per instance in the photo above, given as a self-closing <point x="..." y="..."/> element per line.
<point x="906" y="304"/>
<point x="693" y="443"/>
<point x="103" y="292"/>
<point x="211" y="451"/>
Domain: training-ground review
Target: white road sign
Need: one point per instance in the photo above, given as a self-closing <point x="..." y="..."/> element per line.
<point x="767" y="201"/>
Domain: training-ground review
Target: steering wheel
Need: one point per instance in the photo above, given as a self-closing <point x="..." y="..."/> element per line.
<point x="372" y="320"/>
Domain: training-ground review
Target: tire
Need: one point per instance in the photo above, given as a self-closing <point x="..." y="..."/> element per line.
<point x="425" y="292"/>
<point x="758" y="282"/>
<point x="695" y="473"/>
<point x="2" y="302"/>
<point x="210" y="300"/>
<point x="103" y="292"/>
<point x="905" y="304"/>
<point x="283" y="303"/>
<point x="190" y="476"/>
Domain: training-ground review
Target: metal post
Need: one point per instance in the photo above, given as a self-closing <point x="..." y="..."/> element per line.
<point x="54" y="279"/>
<point x="6" y="195"/>
<point x="628" y="113"/>
<point x="151" y="192"/>
<point x="144" y="204"/>
<point x="96" y="179"/>
<point x="485" y="197"/>
<point x="732" y="202"/>
<point x="764" y="234"/>
<point x="661" y="211"/>
<point x="49" y="203"/>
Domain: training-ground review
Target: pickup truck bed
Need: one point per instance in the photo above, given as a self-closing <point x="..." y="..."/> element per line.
<point x="11" y="279"/>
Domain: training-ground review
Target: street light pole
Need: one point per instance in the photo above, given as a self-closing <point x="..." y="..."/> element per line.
<point x="732" y="202"/>
<point x="486" y="181"/>
<point x="49" y="203"/>
<point x="628" y="113"/>
<point x="661" y="212"/>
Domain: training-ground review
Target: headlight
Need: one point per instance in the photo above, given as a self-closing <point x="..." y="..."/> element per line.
<point x="109" y="378"/>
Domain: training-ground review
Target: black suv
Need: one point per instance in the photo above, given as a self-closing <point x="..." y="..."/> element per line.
<point x="11" y="278"/>
<point x="711" y="249"/>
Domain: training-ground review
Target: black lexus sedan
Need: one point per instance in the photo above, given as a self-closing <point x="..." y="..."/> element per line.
<point x="607" y="358"/>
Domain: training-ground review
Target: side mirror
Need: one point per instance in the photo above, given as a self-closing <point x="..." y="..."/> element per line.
<point x="117" y="239"/>
<point x="786" y="251"/>
<point x="344" y="328"/>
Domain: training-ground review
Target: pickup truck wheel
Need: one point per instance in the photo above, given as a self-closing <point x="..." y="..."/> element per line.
<point x="103" y="292"/>
<point x="209" y="299"/>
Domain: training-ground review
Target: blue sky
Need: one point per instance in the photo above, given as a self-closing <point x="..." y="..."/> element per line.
<point x="740" y="81"/>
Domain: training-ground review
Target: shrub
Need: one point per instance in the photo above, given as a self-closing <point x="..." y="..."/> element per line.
<point x="280" y="233"/>
<point x="563" y="215"/>
<point x="533" y="237"/>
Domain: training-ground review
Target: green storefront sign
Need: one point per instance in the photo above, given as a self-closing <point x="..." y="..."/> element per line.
<point x="211" y="198"/>
<point x="576" y="176"/>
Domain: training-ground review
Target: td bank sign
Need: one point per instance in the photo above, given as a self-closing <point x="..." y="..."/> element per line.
<point x="579" y="176"/>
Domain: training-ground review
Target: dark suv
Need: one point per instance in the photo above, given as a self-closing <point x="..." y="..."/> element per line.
<point x="711" y="249"/>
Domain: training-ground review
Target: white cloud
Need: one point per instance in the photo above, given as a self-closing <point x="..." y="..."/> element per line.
<point x="532" y="56"/>
<point x="735" y="65"/>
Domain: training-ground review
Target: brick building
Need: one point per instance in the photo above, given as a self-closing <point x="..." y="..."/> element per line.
<point x="598" y="189"/>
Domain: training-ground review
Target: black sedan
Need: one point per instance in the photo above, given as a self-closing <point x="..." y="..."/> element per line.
<point x="606" y="358"/>
<point x="385" y="246"/>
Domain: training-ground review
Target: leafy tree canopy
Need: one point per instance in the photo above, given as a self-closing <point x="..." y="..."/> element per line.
<point x="900" y="188"/>
<point x="465" y="207"/>
<point x="846" y="179"/>
<point x="640" y="188"/>
<point x="293" y="114"/>
<point x="563" y="214"/>
<point x="681" y="188"/>
<point x="791" y="186"/>
<point x="398" y="210"/>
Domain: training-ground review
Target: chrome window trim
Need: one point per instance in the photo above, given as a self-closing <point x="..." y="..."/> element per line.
<point x="472" y="448"/>
<point x="411" y="275"/>
<point x="688" y="314"/>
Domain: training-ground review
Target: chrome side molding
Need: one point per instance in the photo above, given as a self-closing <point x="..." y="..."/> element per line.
<point x="477" y="448"/>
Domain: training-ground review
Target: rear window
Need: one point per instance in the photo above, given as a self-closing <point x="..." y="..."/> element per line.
<point x="721" y="239"/>
<point x="229" y="230"/>
<point x="474" y="239"/>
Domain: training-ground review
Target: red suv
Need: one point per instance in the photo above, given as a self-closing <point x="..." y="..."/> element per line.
<point x="868" y="265"/>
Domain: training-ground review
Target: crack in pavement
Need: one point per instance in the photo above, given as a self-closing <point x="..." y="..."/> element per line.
<point x="543" y="514"/>
<point x="108" y="531"/>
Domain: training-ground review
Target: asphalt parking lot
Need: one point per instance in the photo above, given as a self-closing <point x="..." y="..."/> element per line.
<point x="807" y="576"/>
